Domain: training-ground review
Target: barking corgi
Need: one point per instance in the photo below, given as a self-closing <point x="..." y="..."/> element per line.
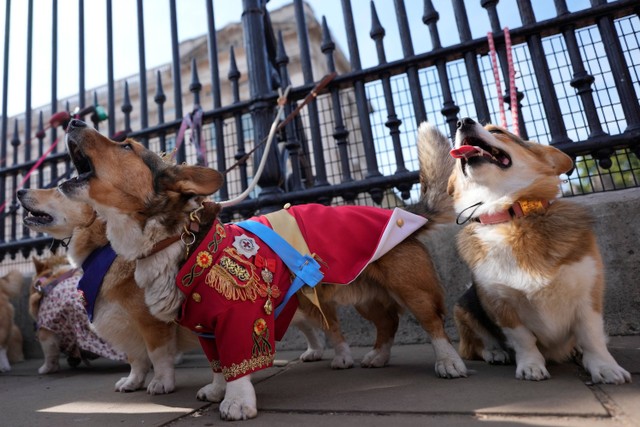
<point x="119" y="313"/>
<point x="10" y="335"/>
<point x="228" y="281"/>
<point x="538" y="279"/>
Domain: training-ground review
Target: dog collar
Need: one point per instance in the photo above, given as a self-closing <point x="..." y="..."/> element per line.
<point x="519" y="209"/>
<point x="188" y="235"/>
<point x="46" y="288"/>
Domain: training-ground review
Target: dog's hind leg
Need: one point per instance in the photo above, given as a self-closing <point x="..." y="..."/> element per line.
<point x="315" y="343"/>
<point x="51" y="349"/>
<point x="386" y="320"/>
<point x="342" y="358"/>
<point x="480" y="338"/>
<point x="408" y="272"/>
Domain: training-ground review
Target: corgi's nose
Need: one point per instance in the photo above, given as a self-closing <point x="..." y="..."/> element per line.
<point x="21" y="192"/>
<point x="75" y="123"/>
<point x="465" y="123"/>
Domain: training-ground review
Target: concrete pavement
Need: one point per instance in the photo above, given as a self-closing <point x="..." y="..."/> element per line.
<point x="405" y="393"/>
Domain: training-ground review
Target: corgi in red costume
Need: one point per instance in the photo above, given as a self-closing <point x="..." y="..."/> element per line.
<point x="155" y="215"/>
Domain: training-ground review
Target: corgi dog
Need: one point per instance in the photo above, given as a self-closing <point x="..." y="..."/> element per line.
<point x="230" y="283"/>
<point x="62" y="325"/>
<point x="538" y="278"/>
<point x="119" y="313"/>
<point x="10" y="335"/>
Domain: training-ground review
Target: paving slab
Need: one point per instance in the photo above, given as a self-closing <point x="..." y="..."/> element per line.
<point x="409" y="385"/>
<point x="85" y="396"/>
<point x="209" y="417"/>
<point x="292" y="393"/>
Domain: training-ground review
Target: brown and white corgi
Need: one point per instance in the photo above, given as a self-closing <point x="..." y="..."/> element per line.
<point x="10" y="335"/>
<point x="227" y="290"/>
<point x="120" y="315"/>
<point x="538" y="279"/>
<point x="61" y="321"/>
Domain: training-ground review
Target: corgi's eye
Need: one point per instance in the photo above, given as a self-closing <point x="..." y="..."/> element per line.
<point x="496" y="131"/>
<point x="127" y="147"/>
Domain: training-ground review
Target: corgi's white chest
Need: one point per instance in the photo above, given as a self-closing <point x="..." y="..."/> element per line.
<point x="502" y="266"/>
<point x="547" y="302"/>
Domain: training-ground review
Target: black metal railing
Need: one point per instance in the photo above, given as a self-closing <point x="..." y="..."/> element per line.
<point x="577" y="88"/>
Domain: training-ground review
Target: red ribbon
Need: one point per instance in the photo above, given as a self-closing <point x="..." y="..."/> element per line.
<point x="268" y="263"/>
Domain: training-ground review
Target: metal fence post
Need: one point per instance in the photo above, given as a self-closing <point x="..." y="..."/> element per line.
<point x="261" y="109"/>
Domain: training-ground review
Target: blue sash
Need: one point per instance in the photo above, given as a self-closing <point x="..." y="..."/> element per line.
<point x="305" y="269"/>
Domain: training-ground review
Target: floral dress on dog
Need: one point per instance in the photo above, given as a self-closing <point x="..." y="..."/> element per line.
<point x="63" y="312"/>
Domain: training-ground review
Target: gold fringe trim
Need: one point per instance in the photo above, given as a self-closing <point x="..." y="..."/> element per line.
<point x="248" y="366"/>
<point x="223" y="277"/>
<point x="224" y="282"/>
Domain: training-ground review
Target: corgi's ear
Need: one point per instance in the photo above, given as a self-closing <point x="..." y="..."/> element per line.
<point x="39" y="265"/>
<point x="560" y="161"/>
<point x="451" y="184"/>
<point x="193" y="180"/>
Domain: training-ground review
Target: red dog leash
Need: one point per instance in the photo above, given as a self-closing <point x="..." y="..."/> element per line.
<point x="513" y="98"/>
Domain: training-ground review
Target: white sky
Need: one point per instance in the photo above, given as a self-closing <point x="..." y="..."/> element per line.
<point x="192" y="23"/>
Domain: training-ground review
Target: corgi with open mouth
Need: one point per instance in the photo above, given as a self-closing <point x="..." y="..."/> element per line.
<point x="538" y="277"/>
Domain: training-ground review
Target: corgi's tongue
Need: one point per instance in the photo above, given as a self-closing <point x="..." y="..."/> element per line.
<point x="468" y="151"/>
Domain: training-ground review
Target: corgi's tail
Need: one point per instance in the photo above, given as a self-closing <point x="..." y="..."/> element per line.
<point x="436" y="165"/>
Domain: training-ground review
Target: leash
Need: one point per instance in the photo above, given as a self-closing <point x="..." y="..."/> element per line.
<point x="275" y="127"/>
<point x="61" y="118"/>
<point x="310" y="97"/>
<point x="513" y="96"/>
<point x="192" y="121"/>
<point x="513" y="99"/>
<point x="282" y="99"/>
<point x="305" y="269"/>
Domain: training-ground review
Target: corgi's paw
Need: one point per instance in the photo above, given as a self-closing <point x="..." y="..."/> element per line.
<point x="496" y="356"/>
<point x="532" y="371"/>
<point x="342" y="359"/>
<point x="452" y="367"/>
<point x="376" y="358"/>
<point x="240" y="401"/>
<point x="237" y="409"/>
<point x="129" y="384"/>
<point x="448" y="361"/>
<point x="213" y="392"/>
<point x="49" y="368"/>
<point x="210" y="393"/>
<point x="311" y="355"/>
<point x="610" y="374"/>
<point x="342" y="362"/>
<point x="161" y="386"/>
